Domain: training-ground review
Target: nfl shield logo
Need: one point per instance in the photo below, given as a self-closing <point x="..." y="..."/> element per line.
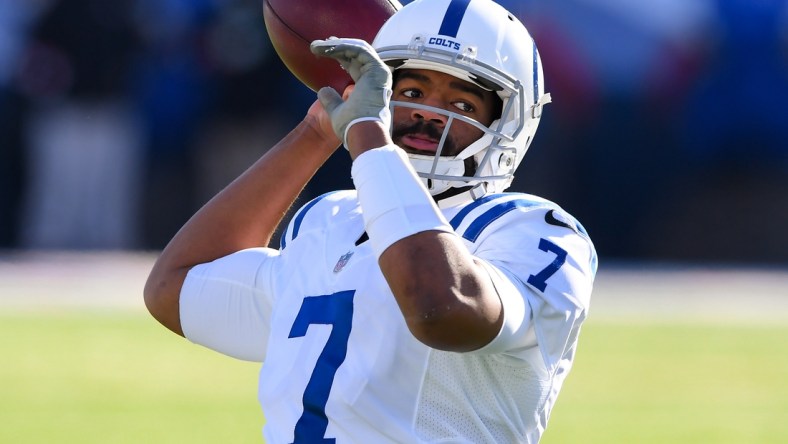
<point x="342" y="261"/>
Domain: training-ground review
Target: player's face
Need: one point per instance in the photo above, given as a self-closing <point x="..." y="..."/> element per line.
<point x="418" y="131"/>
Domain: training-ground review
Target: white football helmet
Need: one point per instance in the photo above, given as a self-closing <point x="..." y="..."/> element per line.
<point x="478" y="41"/>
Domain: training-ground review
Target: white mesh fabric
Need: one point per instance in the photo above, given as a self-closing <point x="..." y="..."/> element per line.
<point x="475" y="398"/>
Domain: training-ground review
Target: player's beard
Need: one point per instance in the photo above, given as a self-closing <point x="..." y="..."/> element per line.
<point x="427" y="129"/>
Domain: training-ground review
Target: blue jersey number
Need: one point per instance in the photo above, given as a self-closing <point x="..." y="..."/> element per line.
<point x="539" y="280"/>
<point x="335" y="310"/>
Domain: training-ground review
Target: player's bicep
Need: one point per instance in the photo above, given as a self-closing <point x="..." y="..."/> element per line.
<point x="225" y="305"/>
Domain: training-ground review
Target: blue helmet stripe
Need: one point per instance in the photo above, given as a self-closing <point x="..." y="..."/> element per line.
<point x="453" y="17"/>
<point x="536" y="73"/>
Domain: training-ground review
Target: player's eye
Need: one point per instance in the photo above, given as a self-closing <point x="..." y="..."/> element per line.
<point x="412" y="93"/>
<point x="464" y="106"/>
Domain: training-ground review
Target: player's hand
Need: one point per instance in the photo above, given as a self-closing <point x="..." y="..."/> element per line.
<point x="319" y="120"/>
<point x="370" y="97"/>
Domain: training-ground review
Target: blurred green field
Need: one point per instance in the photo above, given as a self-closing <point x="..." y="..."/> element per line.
<point x="118" y="377"/>
<point x="664" y="382"/>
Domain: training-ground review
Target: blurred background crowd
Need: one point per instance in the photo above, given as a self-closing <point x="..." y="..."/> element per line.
<point x="667" y="137"/>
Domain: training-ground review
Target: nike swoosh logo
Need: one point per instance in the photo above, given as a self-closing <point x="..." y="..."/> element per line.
<point x="550" y="218"/>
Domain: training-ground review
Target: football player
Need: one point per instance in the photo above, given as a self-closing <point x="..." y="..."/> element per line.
<point x="425" y="305"/>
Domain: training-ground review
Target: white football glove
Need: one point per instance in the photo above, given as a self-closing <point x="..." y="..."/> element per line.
<point x="370" y="97"/>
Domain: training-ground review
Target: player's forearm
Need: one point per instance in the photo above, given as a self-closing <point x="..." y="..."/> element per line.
<point x="446" y="299"/>
<point x="243" y="215"/>
<point x="247" y="212"/>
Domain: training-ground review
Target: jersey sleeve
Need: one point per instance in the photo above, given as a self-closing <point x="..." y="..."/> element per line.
<point x="543" y="265"/>
<point x="225" y="305"/>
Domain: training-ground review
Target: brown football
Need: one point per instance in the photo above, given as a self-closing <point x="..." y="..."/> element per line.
<point x="293" y="24"/>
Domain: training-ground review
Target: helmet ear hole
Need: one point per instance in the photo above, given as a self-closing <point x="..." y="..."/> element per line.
<point x="505" y="161"/>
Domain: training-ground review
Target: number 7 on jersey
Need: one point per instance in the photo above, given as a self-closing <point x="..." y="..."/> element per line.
<point x="539" y="280"/>
<point x="335" y="310"/>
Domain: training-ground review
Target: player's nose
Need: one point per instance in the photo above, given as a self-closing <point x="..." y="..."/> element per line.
<point x="429" y="115"/>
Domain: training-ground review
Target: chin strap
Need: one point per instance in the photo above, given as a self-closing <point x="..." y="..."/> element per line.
<point x="455" y="196"/>
<point x="536" y="109"/>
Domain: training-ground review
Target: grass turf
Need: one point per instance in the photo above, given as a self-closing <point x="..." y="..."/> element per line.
<point x="659" y="382"/>
<point x="121" y="378"/>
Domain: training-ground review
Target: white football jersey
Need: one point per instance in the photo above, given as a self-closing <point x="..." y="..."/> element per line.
<point x="340" y="365"/>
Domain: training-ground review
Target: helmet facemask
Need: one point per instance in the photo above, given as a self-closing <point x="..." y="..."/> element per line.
<point x="490" y="53"/>
<point x="470" y="167"/>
